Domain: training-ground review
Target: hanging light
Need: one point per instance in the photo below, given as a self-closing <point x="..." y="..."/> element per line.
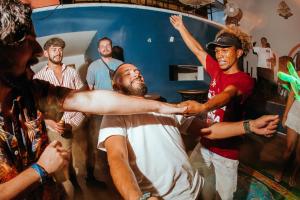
<point x="196" y="3"/>
<point x="284" y="10"/>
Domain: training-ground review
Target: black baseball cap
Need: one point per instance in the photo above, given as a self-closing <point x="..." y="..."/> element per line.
<point x="225" y="40"/>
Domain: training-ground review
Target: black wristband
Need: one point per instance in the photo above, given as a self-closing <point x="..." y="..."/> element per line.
<point x="246" y="125"/>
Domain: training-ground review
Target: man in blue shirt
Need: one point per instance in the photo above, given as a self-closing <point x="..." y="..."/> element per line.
<point x="98" y="71"/>
<point x="98" y="77"/>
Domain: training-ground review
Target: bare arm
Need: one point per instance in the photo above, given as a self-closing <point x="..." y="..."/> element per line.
<point x="221" y="99"/>
<point x="216" y="102"/>
<point x="265" y="125"/>
<point x="91" y="87"/>
<point x="189" y="40"/>
<point x="52" y="159"/>
<point x="18" y="184"/>
<point x="111" y="103"/>
<point x="288" y="106"/>
<point x="122" y="175"/>
<point x="272" y="60"/>
<point x="90" y="76"/>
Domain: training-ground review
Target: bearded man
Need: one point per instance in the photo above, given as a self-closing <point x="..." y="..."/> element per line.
<point x="61" y="129"/>
<point x="98" y="77"/>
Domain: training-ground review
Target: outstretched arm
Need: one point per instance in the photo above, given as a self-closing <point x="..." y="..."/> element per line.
<point x="265" y="125"/>
<point x="189" y="40"/>
<point x="105" y="102"/>
<point x="217" y="101"/>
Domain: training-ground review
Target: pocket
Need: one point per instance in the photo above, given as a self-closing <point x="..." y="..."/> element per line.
<point x="229" y="163"/>
<point x="226" y="162"/>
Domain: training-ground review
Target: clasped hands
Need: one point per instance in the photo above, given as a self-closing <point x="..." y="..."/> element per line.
<point x="265" y="125"/>
<point x="192" y="108"/>
<point x="54" y="157"/>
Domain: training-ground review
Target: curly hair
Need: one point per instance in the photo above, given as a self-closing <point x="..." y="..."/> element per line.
<point x="237" y="32"/>
<point x="15" y="21"/>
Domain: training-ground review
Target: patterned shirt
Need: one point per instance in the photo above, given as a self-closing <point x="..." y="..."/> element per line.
<point x="23" y="135"/>
<point x="70" y="79"/>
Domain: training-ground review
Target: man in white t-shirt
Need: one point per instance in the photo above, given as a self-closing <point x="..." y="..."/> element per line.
<point x="146" y="153"/>
<point x="264" y="54"/>
<point x="266" y="69"/>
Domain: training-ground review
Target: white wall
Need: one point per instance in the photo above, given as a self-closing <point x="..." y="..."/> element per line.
<point x="260" y="19"/>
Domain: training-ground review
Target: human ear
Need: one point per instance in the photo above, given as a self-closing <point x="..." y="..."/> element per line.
<point x="46" y="53"/>
<point x="239" y="53"/>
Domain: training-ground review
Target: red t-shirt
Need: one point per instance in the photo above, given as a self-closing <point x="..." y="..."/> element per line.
<point x="232" y="111"/>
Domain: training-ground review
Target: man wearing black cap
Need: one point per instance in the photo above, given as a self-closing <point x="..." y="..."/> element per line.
<point x="228" y="90"/>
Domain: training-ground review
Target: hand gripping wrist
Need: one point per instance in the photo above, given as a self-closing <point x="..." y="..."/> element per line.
<point x="41" y="172"/>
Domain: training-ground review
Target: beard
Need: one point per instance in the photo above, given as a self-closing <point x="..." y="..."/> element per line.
<point x="107" y="55"/>
<point x="55" y="61"/>
<point x="140" y="90"/>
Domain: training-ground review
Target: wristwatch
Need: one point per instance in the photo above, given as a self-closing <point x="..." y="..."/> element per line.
<point x="44" y="176"/>
<point x="246" y="125"/>
<point x="145" y="196"/>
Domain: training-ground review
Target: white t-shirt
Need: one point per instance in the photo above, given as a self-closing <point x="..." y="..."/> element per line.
<point x="263" y="55"/>
<point x="158" y="157"/>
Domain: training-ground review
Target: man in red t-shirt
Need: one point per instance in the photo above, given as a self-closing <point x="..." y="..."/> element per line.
<point x="228" y="90"/>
